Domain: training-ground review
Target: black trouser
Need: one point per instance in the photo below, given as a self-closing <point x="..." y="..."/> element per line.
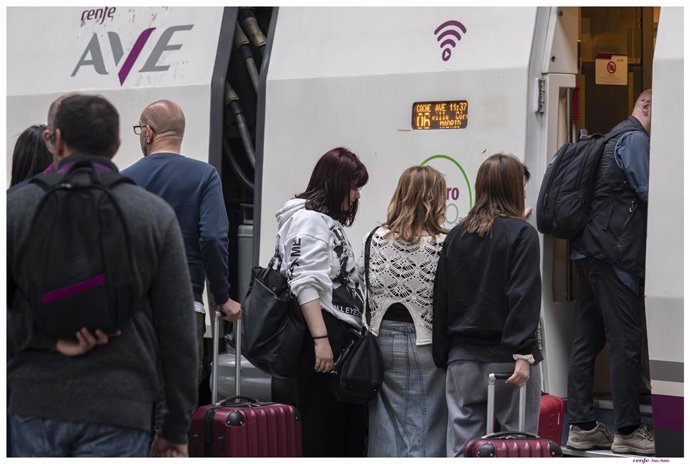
<point x="608" y="311"/>
<point x="330" y="428"/>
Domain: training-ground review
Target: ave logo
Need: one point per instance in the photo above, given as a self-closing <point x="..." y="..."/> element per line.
<point x="92" y="57"/>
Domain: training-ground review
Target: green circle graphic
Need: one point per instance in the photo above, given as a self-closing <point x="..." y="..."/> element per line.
<point x="454" y="161"/>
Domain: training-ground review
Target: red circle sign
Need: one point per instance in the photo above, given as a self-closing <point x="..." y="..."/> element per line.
<point x="611" y="67"/>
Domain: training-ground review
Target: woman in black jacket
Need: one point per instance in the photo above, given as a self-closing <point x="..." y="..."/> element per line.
<point x="487" y="300"/>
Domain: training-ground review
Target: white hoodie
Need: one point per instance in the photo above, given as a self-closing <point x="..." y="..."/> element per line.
<point x="318" y="261"/>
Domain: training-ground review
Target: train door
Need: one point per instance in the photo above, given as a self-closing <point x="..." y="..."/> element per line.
<point x="664" y="273"/>
<point x="615" y="62"/>
<point x="615" y="66"/>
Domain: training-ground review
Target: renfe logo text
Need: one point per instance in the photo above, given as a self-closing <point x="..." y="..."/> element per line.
<point x="100" y="13"/>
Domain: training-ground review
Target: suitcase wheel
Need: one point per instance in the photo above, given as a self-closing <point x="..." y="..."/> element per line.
<point x="555" y="449"/>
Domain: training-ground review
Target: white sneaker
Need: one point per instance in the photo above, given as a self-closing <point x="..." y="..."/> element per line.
<point x="639" y="441"/>
<point x="597" y="438"/>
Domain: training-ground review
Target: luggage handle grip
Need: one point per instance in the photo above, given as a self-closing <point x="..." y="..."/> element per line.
<point x="239" y="399"/>
<point x="510" y="434"/>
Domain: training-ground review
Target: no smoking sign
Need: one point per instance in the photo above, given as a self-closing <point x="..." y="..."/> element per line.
<point x="611" y="67"/>
<point x="611" y="70"/>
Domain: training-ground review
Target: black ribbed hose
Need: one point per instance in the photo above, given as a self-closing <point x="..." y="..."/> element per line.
<point x="245" y="51"/>
<point x="232" y="102"/>
<point x="247" y="18"/>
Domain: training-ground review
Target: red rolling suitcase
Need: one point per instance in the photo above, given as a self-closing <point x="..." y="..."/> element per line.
<point x="551" y="417"/>
<point x="509" y="444"/>
<point x="240" y="426"/>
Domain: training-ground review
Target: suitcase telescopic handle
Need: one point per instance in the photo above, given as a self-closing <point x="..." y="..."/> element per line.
<point x="214" y="367"/>
<point x="490" y="406"/>
<point x="237" y="327"/>
<point x="238" y="356"/>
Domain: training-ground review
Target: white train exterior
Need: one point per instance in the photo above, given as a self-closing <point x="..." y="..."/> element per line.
<point x="353" y="77"/>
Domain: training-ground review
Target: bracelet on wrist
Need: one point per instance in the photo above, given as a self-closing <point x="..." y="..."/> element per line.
<point x="527" y="357"/>
<point x="322" y="336"/>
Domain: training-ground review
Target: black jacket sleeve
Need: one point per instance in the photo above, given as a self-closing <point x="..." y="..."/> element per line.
<point x="523" y="292"/>
<point x="440" y="335"/>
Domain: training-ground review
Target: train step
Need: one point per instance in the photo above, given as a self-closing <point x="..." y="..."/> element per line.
<point x="597" y="454"/>
<point x="603" y="406"/>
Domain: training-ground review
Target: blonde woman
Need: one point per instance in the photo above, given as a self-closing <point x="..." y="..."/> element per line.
<point x="408" y="416"/>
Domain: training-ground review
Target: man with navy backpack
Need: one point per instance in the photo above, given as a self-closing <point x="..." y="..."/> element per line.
<point x="609" y="256"/>
<point x="98" y="303"/>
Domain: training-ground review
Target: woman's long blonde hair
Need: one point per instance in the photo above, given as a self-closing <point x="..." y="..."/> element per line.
<point x="418" y="205"/>
<point x="500" y="192"/>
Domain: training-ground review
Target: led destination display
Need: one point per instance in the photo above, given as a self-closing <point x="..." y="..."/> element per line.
<point x="439" y="115"/>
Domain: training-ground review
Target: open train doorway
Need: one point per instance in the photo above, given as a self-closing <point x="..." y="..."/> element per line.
<point x="615" y="59"/>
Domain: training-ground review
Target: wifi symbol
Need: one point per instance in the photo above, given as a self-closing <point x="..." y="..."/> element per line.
<point x="447" y="31"/>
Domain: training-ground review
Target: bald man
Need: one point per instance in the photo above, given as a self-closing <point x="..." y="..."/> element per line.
<point x="609" y="257"/>
<point x="194" y="191"/>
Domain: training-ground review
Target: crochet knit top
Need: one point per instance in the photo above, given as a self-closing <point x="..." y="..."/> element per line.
<point x="402" y="272"/>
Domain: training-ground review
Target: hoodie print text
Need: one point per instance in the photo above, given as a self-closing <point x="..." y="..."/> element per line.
<point x="295" y="252"/>
<point x="347" y="296"/>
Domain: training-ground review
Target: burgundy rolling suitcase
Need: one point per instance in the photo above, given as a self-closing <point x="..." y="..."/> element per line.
<point x="551" y="417"/>
<point x="509" y="444"/>
<point x="240" y="426"/>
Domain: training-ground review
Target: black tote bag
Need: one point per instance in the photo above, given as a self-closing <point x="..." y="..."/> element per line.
<point x="359" y="367"/>
<point x="273" y="327"/>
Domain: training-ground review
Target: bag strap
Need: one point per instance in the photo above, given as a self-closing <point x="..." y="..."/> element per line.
<point x="47" y="181"/>
<point x="77" y="164"/>
<point x="275" y="257"/>
<point x="367" y="252"/>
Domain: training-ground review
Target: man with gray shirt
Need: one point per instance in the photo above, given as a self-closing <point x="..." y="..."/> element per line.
<point x="94" y="395"/>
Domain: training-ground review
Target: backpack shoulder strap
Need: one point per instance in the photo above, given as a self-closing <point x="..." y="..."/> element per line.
<point x="114" y="178"/>
<point x="367" y="253"/>
<point x="617" y="131"/>
<point x="47" y="181"/>
<point x="108" y="175"/>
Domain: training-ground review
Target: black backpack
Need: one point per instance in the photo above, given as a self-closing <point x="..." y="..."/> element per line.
<point x="566" y="192"/>
<point x="79" y="267"/>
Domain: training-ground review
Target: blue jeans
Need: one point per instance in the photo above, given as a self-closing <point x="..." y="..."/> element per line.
<point x="408" y="416"/>
<point x="33" y="436"/>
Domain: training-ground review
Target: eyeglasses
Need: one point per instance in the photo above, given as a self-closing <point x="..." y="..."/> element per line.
<point x="137" y="129"/>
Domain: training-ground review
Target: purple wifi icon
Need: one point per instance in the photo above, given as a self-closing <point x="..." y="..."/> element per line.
<point x="448" y="36"/>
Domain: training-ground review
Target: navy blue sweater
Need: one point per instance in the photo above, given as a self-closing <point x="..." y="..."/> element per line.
<point x="194" y="191"/>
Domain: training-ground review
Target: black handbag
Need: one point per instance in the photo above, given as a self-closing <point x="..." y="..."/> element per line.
<point x="273" y="327"/>
<point x="359" y="368"/>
